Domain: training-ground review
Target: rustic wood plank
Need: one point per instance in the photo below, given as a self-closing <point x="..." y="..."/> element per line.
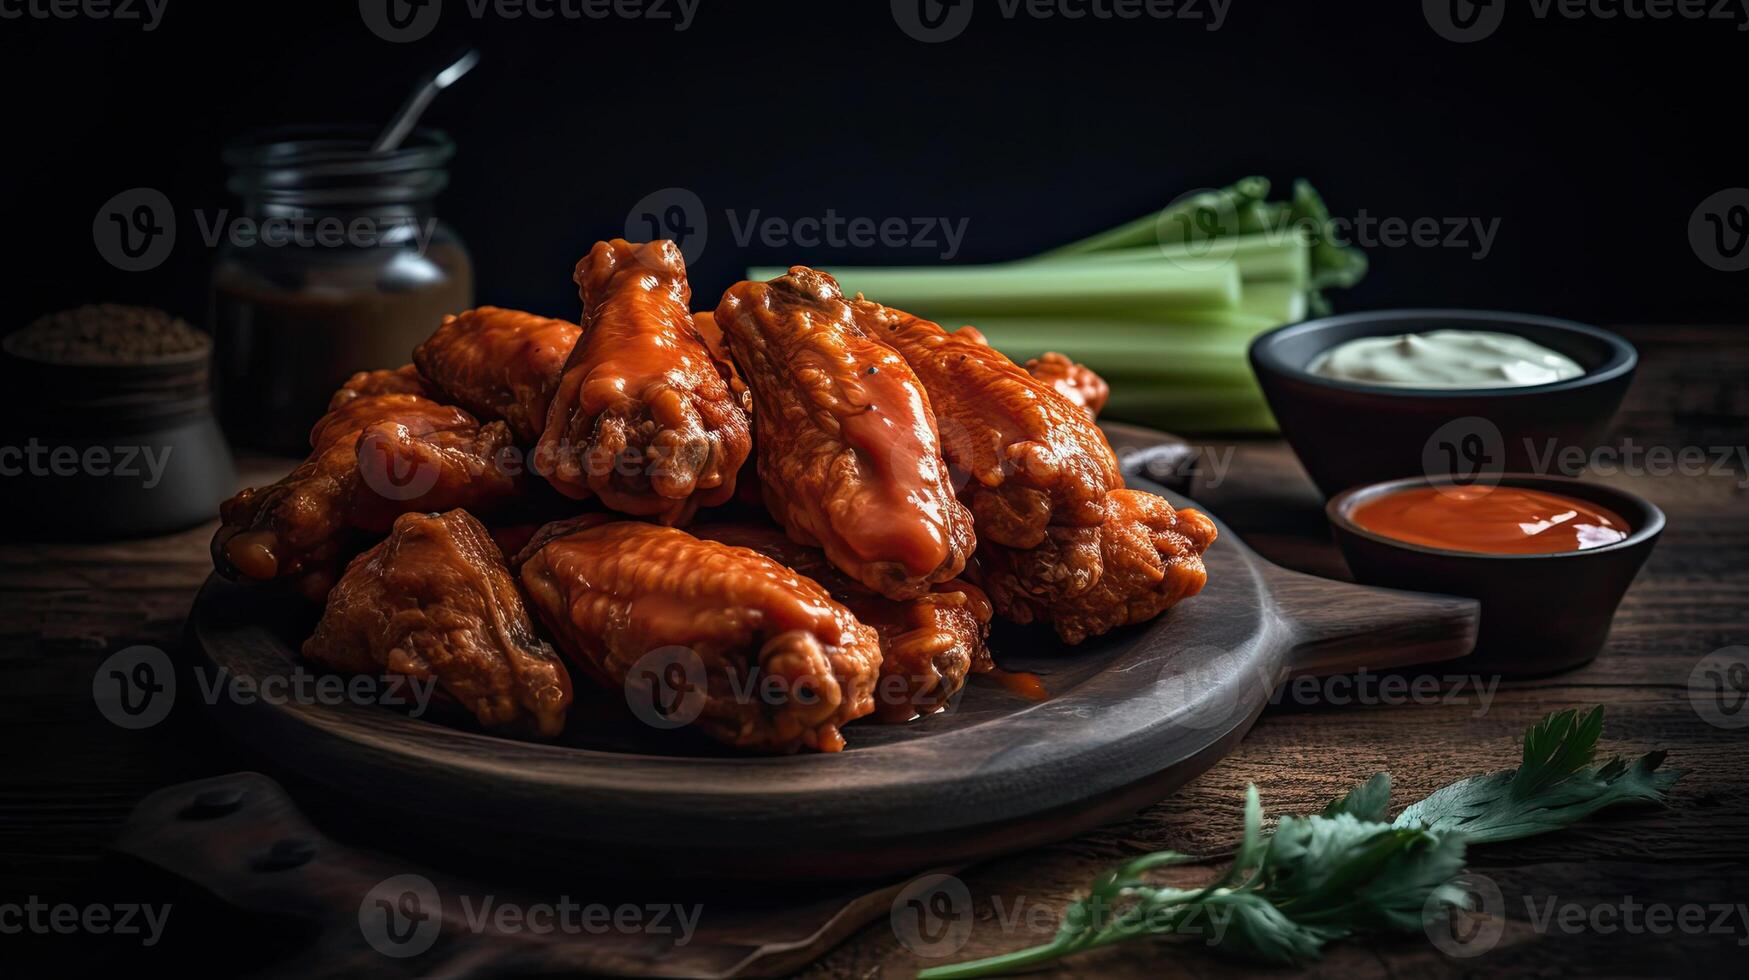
<point x="72" y="778"/>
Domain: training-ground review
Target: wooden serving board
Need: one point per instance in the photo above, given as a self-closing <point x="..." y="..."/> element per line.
<point x="1132" y="716"/>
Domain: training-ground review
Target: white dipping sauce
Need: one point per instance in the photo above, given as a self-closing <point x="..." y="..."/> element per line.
<point x="1445" y="359"/>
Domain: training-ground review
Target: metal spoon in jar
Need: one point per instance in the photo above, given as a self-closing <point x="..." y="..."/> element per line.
<point x="416" y="105"/>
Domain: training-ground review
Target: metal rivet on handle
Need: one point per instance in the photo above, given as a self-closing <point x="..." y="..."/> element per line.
<point x="286" y="854"/>
<point x="214" y="802"/>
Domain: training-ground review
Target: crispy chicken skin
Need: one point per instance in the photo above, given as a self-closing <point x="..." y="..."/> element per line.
<point x="1143" y="560"/>
<point x="1060" y="540"/>
<point x="928" y="644"/>
<point x="404" y="380"/>
<point x="1076" y="382"/>
<point x="776" y="664"/>
<point x="433" y="601"/>
<point x="379" y="452"/>
<point x="499" y="364"/>
<point x="643" y="417"/>
<point x="849" y="457"/>
<point x="1032" y="459"/>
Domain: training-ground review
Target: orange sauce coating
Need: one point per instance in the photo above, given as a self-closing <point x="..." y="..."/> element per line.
<point x="1491" y="520"/>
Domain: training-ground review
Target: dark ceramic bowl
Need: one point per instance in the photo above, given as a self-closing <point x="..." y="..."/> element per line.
<point x="109" y="450"/>
<point x="1540" y="613"/>
<point x="1347" y="433"/>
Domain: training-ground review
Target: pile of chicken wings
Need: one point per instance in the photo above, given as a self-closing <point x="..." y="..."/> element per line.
<point x="770" y="520"/>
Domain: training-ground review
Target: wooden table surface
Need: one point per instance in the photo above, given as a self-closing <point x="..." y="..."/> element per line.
<point x="70" y="777"/>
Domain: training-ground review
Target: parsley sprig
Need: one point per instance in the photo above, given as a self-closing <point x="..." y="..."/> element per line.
<point x="1348" y="870"/>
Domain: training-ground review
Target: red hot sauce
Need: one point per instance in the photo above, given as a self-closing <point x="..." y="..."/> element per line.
<point x="1491" y="520"/>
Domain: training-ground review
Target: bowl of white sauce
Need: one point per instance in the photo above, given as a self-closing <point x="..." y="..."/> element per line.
<point x="1465" y="395"/>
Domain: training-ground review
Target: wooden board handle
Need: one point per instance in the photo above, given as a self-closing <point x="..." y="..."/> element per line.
<point x="1341" y="627"/>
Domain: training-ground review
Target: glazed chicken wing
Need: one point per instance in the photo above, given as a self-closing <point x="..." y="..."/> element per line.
<point x="404" y="380"/>
<point x="1032" y="458"/>
<point x="434" y="602"/>
<point x="928" y="644"/>
<point x="1060" y="540"/>
<point x="643" y="417"/>
<point x="1076" y="382"/>
<point x="379" y="452"/>
<point x="849" y="456"/>
<point x="1143" y="560"/>
<point x="499" y="364"/>
<point x="762" y="657"/>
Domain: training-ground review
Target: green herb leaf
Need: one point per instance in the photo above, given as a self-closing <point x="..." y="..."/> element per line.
<point x="1370" y="800"/>
<point x="1553" y="787"/>
<point x="1345" y="871"/>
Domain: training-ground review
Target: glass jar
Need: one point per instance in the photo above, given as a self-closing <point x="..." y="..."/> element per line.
<point x="336" y="264"/>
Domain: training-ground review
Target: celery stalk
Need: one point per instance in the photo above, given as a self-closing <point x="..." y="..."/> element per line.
<point x="1078" y="288"/>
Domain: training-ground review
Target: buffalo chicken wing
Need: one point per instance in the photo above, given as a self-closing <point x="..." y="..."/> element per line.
<point x="928" y="644"/>
<point x="1075" y="382"/>
<point x="381" y="451"/>
<point x="849" y="457"/>
<point x="644" y="417"/>
<point x="751" y="652"/>
<point x="499" y="364"/>
<point x="434" y="602"/>
<point x="1060" y="540"/>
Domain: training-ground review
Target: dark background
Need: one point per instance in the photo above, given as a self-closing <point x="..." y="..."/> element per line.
<point x="1592" y="140"/>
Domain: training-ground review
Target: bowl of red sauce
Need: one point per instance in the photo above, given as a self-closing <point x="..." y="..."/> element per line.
<point x="1548" y="557"/>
